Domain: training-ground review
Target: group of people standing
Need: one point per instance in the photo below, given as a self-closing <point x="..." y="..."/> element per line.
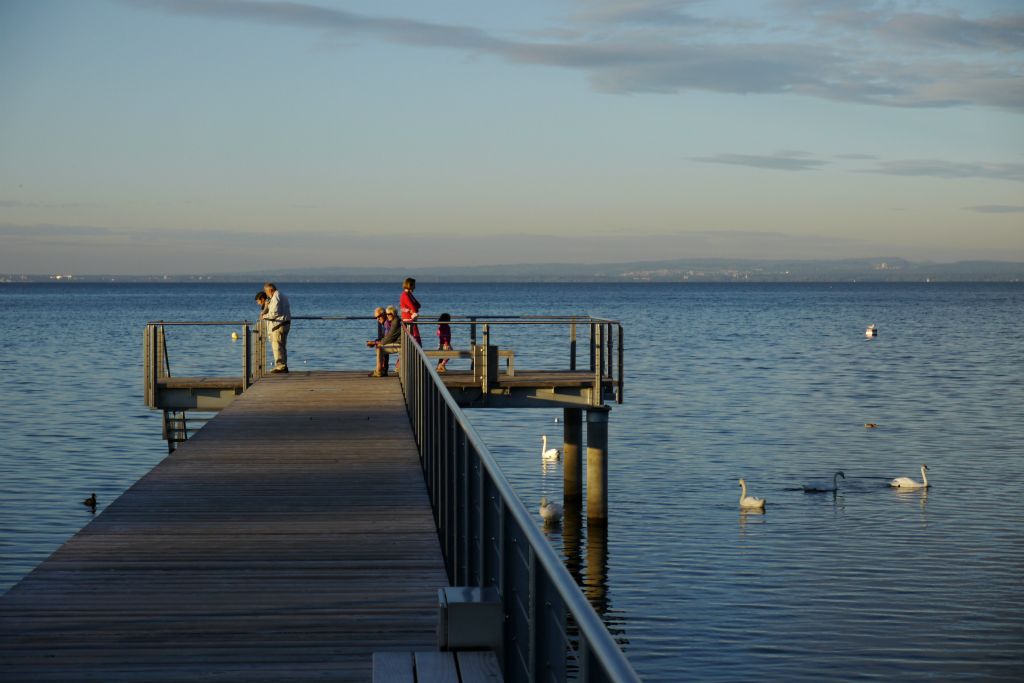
<point x="276" y="312"/>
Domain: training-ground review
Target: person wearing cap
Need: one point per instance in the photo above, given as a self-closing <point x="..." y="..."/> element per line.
<point x="392" y="336"/>
<point x="278" y="317"/>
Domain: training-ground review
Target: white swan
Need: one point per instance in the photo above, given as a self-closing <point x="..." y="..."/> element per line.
<point x="908" y="483"/>
<point x="824" y="486"/>
<point x="749" y="502"/>
<point x="548" y="453"/>
<point x="551" y="513"/>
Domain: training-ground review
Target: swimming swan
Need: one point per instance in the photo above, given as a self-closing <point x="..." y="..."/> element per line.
<point x="749" y="502"/>
<point x="548" y="453"/>
<point x="908" y="483"/>
<point x="824" y="486"/>
<point x="551" y="513"/>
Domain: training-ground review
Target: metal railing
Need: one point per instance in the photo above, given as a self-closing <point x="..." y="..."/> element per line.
<point x="605" y="338"/>
<point x="156" y="363"/>
<point x="489" y="539"/>
<point x="606" y="343"/>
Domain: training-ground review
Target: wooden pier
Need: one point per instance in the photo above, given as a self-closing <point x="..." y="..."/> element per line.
<point x="304" y="532"/>
<point x="289" y="539"/>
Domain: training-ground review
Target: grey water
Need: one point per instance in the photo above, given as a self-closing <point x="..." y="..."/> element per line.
<point x="773" y="383"/>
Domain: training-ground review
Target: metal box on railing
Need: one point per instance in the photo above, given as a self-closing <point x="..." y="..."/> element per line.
<point x="469" y="618"/>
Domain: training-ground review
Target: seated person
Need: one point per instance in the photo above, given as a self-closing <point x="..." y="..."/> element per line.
<point x="382" y="328"/>
<point x="392" y="335"/>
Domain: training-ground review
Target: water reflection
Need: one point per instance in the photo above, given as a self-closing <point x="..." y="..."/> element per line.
<point x="911" y="496"/>
<point x="572" y="540"/>
<point x="751" y="516"/>
<point x="595" y="581"/>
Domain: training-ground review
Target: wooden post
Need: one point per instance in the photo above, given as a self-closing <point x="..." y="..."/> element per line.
<point x="618" y="396"/>
<point x="148" y="390"/>
<point x="246" y="358"/>
<point x="472" y="340"/>
<point x="597" y="466"/>
<point x="572" y="471"/>
<point x="572" y="346"/>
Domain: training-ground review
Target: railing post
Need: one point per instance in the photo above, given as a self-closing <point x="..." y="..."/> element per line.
<point x="572" y="346"/>
<point x="593" y="333"/>
<point x="472" y="339"/>
<point x="485" y="368"/>
<point x="163" y="363"/>
<point x="598" y="365"/>
<point x="611" y="347"/>
<point x="147" y="362"/>
<point x="618" y="395"/>
<point x="246" y="358"/>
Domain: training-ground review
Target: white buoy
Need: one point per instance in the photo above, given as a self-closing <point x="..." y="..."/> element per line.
<point x="234" y="335"/>
<point x="872" y="331"/>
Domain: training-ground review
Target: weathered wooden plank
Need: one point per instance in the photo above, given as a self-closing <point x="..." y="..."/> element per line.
<point x="436" y="667"/>
<point x="478" y="667"/>
<point x="393" y="667"/>
<point x="288" y="540"/>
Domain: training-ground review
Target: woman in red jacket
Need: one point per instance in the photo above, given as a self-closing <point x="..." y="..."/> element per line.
<point x="410" y="308"/>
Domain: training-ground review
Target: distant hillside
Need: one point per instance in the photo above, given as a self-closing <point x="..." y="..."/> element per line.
<point x="888" y="269"/>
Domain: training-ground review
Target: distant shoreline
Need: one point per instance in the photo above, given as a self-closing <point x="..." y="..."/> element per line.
<point x="185" y="280"/>
<point x="882" y="269"/>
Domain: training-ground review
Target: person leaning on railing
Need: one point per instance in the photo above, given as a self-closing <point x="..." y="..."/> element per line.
<point x="278" y="317"/>
<point x="391" y="337"/>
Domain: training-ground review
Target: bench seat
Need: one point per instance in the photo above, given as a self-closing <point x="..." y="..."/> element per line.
<point x="436" y="667"/>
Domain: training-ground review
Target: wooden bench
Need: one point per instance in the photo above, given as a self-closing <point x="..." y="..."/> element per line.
<point x="507" y="354"/>
<point x="436" y="667"/>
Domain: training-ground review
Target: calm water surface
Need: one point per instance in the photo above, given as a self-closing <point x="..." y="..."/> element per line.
<point x="770" y="382"/>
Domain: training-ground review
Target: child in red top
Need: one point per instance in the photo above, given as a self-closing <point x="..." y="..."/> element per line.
<point x="444" y="339"/>
<point x="410" y="308"/>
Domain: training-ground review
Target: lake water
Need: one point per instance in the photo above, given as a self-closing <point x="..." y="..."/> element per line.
<point x="773" y="383"/>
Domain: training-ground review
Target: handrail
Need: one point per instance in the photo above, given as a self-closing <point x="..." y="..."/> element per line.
<point x="489" y="539"/>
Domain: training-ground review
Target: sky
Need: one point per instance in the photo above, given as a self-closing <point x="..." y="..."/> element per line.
<point x="189" y="136"/>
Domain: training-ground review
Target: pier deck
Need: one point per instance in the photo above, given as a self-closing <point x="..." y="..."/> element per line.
<point x="289" y="539"/>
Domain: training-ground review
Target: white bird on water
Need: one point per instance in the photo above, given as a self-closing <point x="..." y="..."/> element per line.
<point x="548" y="453"/>
<point x="551" y="513"/>
<point x="749" y="502"/>
<point x="824" y="486"/>
<point x="908" y="483"/>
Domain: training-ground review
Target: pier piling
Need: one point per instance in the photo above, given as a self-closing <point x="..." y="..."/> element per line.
<point x="572" y="472"/>
<point x="597" y="466"/>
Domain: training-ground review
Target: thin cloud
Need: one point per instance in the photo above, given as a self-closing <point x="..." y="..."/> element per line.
<point x="792" y="161"/>
<point x="996" y="208"/>
<point x="862" y="157"/>
<point x="664" y="58"/>
<point x="936" y="168"/>
<point x="19" y="204"/>
<point x="653" y="12"/>
<point x="942" y="31"/>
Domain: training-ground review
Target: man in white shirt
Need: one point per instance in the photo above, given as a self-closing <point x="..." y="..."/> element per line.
<point x="278" y="319"/>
